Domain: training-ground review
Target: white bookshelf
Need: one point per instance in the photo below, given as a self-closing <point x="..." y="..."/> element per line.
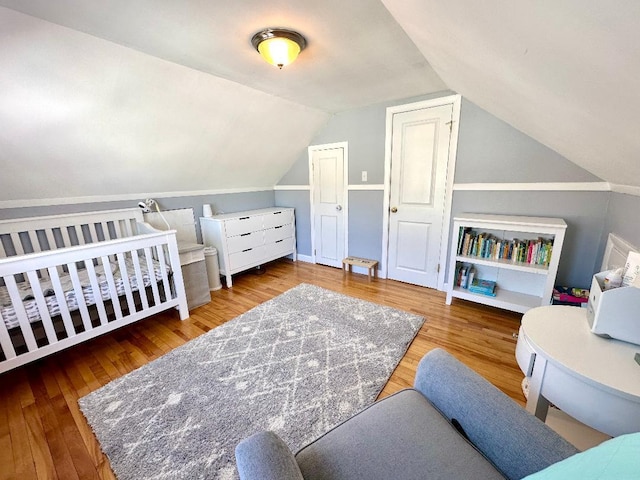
<point x="520" y="286"/>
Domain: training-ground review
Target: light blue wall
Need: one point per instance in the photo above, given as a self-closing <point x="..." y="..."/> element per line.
<point x="489" y="151"/>
<point x="622" y="219"/>
<point x="365" y="230"/>
<point x="223" y="203"/>
<point x="364" y="129"/>
<point x="299" y="200"/>
<point x="492" y="151"/>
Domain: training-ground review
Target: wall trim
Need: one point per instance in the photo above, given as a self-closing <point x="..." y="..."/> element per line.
<point x="536" y="186"/>
<point x="46" y="202"/>
<point x="305" y="258"/>
<point x="292" y="187"/>
<point x="628" y="189"/>
<point x="364" y="186"/>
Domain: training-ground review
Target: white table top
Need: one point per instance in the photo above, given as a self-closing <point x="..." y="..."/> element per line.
<point x="561" y="334"/>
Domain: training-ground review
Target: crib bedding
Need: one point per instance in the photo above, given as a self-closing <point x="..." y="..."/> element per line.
<point x="10" y="317"/>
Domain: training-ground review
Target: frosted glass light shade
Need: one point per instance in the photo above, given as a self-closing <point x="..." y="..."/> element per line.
<point x="279" y="51"/>
<point x="279" y="46"/>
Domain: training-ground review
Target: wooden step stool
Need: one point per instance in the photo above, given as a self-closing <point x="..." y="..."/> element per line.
<point x="361" y="262"/>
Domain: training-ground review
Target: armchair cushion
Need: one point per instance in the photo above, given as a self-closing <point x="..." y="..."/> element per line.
<point x="401" y="437"/>
<point x="265" y="456"/>
<point x="515" y="441"/>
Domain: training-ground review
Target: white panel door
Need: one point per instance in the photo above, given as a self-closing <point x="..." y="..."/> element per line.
<point x="419" y="156"/>
<point x="328" y="202"/>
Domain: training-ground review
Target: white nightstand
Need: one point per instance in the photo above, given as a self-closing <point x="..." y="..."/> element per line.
<point x="194" y="272"/>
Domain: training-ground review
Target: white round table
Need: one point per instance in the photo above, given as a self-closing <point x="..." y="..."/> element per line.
<point x="593" y="379"/>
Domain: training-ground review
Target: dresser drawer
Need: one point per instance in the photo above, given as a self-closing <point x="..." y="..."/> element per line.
<point x="245" y="241"/>
<point x="278" y="233"/>
<point x="240" y="225"/>
<point x="279" y="248"/>
<point x="278" y="218"/>
<point x="247" y="258"/>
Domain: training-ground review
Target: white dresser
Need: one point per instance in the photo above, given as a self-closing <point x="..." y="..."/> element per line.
<point x="248" y="239"/>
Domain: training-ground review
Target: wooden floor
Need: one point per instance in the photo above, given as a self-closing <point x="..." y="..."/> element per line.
<point x="43" y="434"/>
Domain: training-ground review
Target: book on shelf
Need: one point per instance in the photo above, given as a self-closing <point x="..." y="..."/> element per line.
<point x="464" y="275"/>
<point x="484" y="287"/>
<point x="487" y="246"/>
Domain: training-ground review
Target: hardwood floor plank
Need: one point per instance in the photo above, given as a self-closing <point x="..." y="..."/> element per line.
<point x="45" y="428"/>
<point x="42" y="459"/>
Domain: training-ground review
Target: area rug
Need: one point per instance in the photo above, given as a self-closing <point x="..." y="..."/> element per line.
<point x="298" y="365"/>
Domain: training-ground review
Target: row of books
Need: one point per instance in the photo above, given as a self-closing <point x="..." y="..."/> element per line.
<point x="465" y="278"/>
<point x="484" y="245"/>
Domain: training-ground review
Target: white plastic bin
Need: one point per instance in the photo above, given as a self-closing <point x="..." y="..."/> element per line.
<point x="213" y="269"/>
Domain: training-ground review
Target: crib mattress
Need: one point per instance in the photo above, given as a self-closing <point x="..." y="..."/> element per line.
<point x="8" y="311"/>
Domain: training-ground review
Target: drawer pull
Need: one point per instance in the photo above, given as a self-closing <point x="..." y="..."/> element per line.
<point x="278" y="241"/>
<point x="247" y="250"/>
<point x="245" y="234"/>
<point x="244" y="218"/>
<point x="279" y="226"/>
<point x="277" y="213"/>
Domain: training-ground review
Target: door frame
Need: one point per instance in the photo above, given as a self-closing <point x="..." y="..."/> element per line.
<point x="345" y="193"/>
<point x="456" y="101"/>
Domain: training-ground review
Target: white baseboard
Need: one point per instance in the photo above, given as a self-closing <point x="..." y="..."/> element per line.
<point x="305" y="258"/>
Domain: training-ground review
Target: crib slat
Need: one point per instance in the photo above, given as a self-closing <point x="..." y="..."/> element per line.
<point x="79" y="234"/>
<point x="82" y="304"/>
<point x="93" y="233"/>
<point x="113" y="292"/>
<point x="66" y="239"/>
<point x="35" y="244"/>
<point x="48" y="232"/>
<point x="125" y="283"/>
<point x="117" y="229"/>
<point x="23" y="319"/>
<point x="5" y="339"/>
<point x="3" y="252"/>
<point x="141" y="290"/>
<point x="51" y="239"/>
<point x="41" y="302"/>
<point x="17" y="244"/>
<point x="97" y="293"/>
<point x="37" y="247"/>
<point x="105" y="231"/>
<point x="62" y="302"/>
<point x="164" y="273"/>
<point x="152" y="275"/>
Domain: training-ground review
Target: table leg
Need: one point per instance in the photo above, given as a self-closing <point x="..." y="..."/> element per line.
<point x="536" y="403"/>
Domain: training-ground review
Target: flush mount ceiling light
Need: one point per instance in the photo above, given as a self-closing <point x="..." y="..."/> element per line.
<point x="278" y="46"/>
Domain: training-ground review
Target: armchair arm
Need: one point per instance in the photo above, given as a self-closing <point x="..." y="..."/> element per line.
<point x="264" y="456"/>
<point x="515" y="441"/>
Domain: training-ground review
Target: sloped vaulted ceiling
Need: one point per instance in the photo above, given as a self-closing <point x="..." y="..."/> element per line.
<point x="115" y="97"/>
<point x="118" y="97"/>
<point x="564" y="72"/>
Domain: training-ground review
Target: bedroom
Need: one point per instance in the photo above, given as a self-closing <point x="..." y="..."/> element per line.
<point x="96" y="97"/>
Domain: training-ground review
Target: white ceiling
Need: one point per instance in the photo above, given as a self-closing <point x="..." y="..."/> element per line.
<point x="168" y="96"/>
<point x="357" y="54"/>
<point x="564" y="72"/>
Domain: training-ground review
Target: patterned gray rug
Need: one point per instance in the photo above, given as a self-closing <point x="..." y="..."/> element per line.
<point x="297" y="364"/>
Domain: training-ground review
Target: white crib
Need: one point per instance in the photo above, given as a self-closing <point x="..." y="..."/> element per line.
<point x="67" y="278"/>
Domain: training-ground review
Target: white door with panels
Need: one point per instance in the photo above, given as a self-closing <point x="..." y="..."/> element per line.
<point x="419" y="159"/>
<point x="328" y="206"/>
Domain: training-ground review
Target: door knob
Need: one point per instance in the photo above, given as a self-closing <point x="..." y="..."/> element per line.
<point x="338" y="207"/>
<point x="394" y="209"/>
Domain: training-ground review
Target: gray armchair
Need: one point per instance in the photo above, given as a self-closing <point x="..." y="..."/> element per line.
<point x="452" y="424"/>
